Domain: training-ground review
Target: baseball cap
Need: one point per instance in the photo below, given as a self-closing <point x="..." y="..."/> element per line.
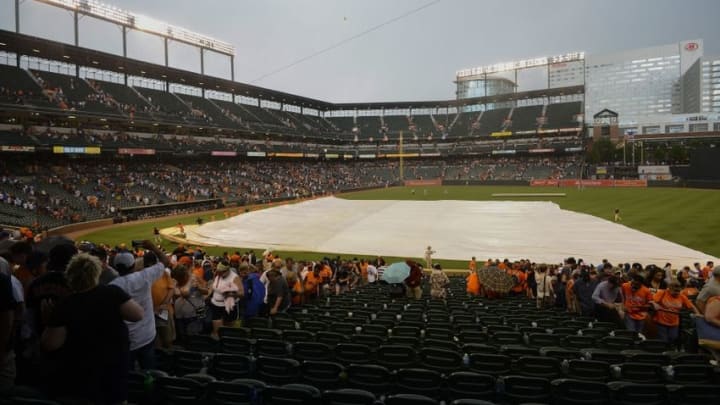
<point x="125" y="259"/>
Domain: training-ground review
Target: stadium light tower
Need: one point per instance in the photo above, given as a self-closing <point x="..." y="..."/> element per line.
<point x="139" y="22"/>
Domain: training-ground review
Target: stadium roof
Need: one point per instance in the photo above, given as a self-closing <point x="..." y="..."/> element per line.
<point x="22" y="44"/>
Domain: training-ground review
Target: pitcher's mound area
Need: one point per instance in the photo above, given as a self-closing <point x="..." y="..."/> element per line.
<point x="539" y="231"/>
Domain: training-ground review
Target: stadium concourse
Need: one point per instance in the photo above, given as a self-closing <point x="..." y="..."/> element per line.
<point x="506" y="229"/>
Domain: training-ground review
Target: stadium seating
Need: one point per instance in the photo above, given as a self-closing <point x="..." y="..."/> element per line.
<point x="562" y="115"/>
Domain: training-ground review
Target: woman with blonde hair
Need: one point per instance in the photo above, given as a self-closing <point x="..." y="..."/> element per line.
<point x="89" y="326"/>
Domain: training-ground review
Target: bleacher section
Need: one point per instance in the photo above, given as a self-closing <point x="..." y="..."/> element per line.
<point x="167" y="105"/>
<point x="203" y="111"/>
<point x="492" y="121"/>
<point x="130" y="101"/>
<point x="20" y="88"/>
<point x="396" y="123"/>
<point x="365" y="347"/>
<point x="76" y="94"/>
<point x="525" y="118"/>
<point x="562" y="115"/>
<point x="344" y="124"/>
<point x="369" y="127"/>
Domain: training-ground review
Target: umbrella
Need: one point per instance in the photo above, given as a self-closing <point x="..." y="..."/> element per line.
<point x="494" y="279"/>
<point x="396" y="273"/>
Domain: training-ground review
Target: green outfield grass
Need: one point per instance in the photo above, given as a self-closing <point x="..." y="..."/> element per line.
<point x="690" y="217"/>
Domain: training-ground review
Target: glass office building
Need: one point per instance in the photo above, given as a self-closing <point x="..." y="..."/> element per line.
<point x="643" y="82"/>
<point x="638" y="84"/>
<point x="710" y="87"/>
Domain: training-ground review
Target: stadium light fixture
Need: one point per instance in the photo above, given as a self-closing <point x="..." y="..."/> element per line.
<point x="520" y="64"/>
<point x="140" y="22"/>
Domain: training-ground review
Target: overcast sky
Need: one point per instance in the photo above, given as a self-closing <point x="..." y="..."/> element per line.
<point x="414" y="58"/>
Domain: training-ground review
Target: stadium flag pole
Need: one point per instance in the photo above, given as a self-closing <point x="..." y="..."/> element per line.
<point x="402" y="172"/>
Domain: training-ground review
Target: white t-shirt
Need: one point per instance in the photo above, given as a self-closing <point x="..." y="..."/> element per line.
<point x="137" y="285"/>
<point x="372" y="273"/>
<point x="544" y="284"/>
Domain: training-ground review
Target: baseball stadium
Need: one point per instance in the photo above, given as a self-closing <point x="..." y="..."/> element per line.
<point x="544" y="234"/>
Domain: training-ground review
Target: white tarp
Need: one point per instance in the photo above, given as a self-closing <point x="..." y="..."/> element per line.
<point x="539" y="231"/>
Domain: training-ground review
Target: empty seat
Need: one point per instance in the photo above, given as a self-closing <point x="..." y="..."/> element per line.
<point x="692" y="394"/>
<point x="692" y="374"/>
<point x="466" y="384"/>
<point x="626" y="393"/>
<point x="493" y="364"/>
<point x="406" y="331"/>
<point x="370" y="340"/>
<point x="440" y="360"/>
<point x="375" y="330"/>
<point x="409" y="399"/>
<point x="352" y="353"/>
<point x="186" y="362"/>
<point x="506" y="338"/>
<point x="436" y="333"/>
<point x="311" y="351"/>
<point x="520" y="389"/>
<point x="348" y="397"/>
<point x="395" y="357"/>
<point x="543" y="339"/>
<point x="536" y="366"/>
<point x="257" y="322"/>
<point x="266" y="333"/>
<point x="616" y="343"/>
<point x="577" y="392"/>
<point x="418" y="381"/>
<point x="471" y="336"/>
<point x="313" y="326"/>
<point x="644" y="373"/>
<point x="321" y="374"/>
<point x="277" y="370"/>
<point x="297" y="335"/>
<point x="179" y="390"/>
<point x="371" y="377"/>
<point x="236" y="345"/>
<point x="271" y="348"/>
<point x="342" y="328"/>
<point x="224" y="393"/>
<point x="291" y="394"/>
<point x="517" y="351"/>
<point x="201" y="343"/>
<point x="231" y="366"/>
<point x="653" y="345"/>
<point x="590" y="370"/>
<point x="441" y="344"/>
<point x="331" y="338"/>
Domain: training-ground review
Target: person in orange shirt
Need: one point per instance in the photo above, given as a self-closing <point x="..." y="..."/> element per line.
<point x="521" y="283"/>
<point x="364" y="271"/>
<point x="312" y="281"/>
<point x="637" y="300"/>
<point x="473" y="284"/>
<point x="162" y="292"/>
<point x="667" y="304"/>
<point x="473" y="264"/>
